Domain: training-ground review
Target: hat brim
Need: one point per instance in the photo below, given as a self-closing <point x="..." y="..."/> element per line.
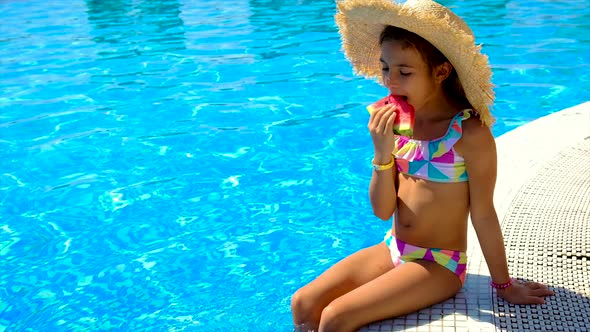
<point x="361" y="22"/>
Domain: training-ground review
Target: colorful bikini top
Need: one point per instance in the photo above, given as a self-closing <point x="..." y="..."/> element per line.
<point x="434" y="160"/>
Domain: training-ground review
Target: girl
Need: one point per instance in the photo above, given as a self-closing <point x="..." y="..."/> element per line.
<point x="428" y="183"/>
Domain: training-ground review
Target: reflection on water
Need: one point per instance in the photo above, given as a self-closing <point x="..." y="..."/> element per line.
<point x="106" y="16"/>
<point x="284" y="18"/>
<point x="151" y="26"/>
<point x="152" y="34"/>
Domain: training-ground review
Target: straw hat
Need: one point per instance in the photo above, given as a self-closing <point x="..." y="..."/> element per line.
<point x="361" y="22"/>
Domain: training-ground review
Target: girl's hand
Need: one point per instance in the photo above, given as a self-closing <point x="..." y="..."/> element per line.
<point x="381" y="129"/>
<point x="525" y="293"/>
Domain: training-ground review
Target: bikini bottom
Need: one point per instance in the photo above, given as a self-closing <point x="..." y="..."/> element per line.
<point x="401" y="252"/>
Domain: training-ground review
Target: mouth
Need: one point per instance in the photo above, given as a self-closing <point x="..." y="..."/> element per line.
<point x="405" y="98"/>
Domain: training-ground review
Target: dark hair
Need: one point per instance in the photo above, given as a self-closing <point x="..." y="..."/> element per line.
<point x="433" y="57"/>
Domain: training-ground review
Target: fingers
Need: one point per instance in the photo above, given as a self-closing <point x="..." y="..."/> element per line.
<point x="389" y="127"/>
<point x="534" y="285"/>
<point x="527" y="293"/>
<point x="541" y="292"/>
<point x="538" y="289"/>
<point x="376" y="116"/>
<point x="533" y="300"/>
<point x="381" y="120"/>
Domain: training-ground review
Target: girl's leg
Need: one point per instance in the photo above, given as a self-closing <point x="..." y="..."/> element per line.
<point x="353" y="271"/>
<point x="405" y="289"/>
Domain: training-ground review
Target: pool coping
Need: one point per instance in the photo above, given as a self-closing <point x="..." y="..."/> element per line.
<point x="523" y="150"/>
<point x="522" y="153"/>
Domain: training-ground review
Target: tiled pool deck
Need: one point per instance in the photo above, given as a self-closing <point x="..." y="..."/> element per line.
<point x="543" y="202"/>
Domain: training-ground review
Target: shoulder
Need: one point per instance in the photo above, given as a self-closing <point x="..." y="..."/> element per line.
<point x="474" y="129"/>
<point x="476" y="138"/>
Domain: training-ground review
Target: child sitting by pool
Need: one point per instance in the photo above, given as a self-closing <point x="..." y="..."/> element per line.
<point x="429" y="182"/>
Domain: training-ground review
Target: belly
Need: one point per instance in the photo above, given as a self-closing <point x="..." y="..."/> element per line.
<point x="431" y="214"/>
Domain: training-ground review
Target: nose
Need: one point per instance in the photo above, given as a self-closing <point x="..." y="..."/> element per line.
<point x="391" y="80"/>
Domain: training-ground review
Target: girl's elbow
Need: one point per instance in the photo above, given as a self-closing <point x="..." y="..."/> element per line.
<point x="383" y="215"/>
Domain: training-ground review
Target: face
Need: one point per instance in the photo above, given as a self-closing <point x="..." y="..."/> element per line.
<point x="406" y="74"/>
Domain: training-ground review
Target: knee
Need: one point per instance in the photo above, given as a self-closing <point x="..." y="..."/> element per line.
<point x="334" y="319"/>
<point x="302" y="306"/>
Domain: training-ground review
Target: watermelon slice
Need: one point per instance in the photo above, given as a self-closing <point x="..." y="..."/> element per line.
<point x="404" y="120"/>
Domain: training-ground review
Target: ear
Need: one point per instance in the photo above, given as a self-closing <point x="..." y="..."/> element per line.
<point x="442" y="71"/>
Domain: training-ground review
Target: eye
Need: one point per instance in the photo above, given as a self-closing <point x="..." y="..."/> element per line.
<point x="384" y="69"/>
<point x="405" y="73"/>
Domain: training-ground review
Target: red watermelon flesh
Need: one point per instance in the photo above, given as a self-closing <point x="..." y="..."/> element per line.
<point x="404" y="119"/>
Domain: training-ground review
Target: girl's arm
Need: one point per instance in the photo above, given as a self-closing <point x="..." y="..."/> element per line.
<point x="479" y="151"/>
<point x="382" y="188"/>
<point x="382" y="191"/>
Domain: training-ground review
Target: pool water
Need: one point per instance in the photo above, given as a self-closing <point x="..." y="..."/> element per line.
<point x="178" y="165"/>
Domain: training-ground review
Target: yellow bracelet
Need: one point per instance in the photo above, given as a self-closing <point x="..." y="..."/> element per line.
<point x="378" y="167"/>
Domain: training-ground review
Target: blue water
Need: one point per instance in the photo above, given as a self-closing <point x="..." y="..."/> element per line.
<point x="178" y="165"/>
